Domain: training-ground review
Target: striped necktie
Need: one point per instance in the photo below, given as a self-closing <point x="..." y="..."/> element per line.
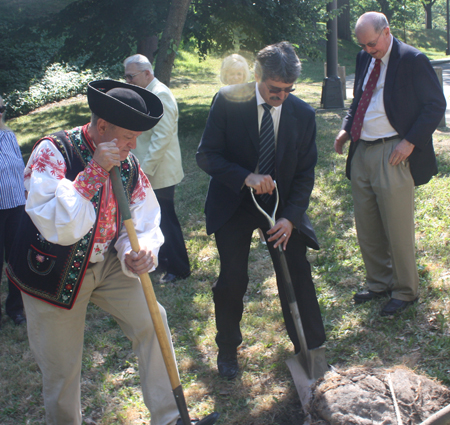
<point x="363" y="104"/>
<point x="267" y="146"/>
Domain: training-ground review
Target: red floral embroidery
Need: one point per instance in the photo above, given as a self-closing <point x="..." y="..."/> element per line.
<point x="45" y="162"/>
<point x="90" y="180"/>
<point x="107" y="218"/>
<point x="142" y="185"/>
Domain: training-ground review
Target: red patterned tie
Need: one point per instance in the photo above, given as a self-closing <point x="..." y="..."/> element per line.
<point x="363" y="104"/>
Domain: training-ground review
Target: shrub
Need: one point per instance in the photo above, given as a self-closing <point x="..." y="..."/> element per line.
<point x="59" y="81"/>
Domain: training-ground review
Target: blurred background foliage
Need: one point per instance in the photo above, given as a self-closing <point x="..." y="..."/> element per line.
<point x="49" y="49"/>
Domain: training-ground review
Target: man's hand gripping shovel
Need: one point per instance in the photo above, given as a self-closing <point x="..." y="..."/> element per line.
<point x="308" y="365"/>
<point x="154" y="310"/>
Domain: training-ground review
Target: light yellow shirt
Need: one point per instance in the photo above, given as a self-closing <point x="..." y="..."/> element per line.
<point x="158" y="149"/>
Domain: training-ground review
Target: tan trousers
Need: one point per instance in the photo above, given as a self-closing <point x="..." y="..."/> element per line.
<point x="383" y="197"/>
<point x="56" y="340"/>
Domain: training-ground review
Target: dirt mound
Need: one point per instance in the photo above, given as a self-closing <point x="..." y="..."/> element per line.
<point x="363" y="396"/>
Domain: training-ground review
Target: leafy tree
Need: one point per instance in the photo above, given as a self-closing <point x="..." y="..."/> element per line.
<point x="225" y="25"/>
<point x="170" y="39"/>
<point x="106" y="30"/>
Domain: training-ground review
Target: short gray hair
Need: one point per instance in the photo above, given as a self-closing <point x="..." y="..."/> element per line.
<point x="278" y="62"/>
<point x="378" y="21"/>
<point x="95" y="118"/>
<point x="141" y="61"/>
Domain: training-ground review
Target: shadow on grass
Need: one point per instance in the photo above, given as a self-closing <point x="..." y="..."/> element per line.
<point x="34" y="126"/>
<point x="242" y="400"/>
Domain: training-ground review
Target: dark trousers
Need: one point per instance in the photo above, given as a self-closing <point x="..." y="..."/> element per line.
<point x="9" y="222"/>
<point x="172" y="255"/>
<point x="233" y="243"/>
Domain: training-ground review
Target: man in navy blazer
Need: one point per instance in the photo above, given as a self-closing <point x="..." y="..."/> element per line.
<point x="393" y="153"/>
<point x="229" y="153"/>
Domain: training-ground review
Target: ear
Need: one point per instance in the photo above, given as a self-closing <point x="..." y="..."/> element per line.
<point x="257" y="78"/>
<point x="102" y="126"/>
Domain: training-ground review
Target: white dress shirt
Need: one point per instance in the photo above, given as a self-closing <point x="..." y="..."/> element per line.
<point x="376" y="124"/>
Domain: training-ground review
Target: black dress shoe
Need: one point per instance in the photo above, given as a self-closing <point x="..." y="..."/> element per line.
<point x="227" y="364"/>
<point x="19" y="318"/>
<point x="193" y="421"/>
<point x="364" y="296"/>
<point x="208" y="420"/>
<point x="170" y="277"/>
<point x="395" y="306"/>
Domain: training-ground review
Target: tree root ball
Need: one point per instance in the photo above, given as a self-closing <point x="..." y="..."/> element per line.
<point x="363" y="396"/>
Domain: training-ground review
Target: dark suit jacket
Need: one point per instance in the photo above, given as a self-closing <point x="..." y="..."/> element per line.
<point x="229" y="151"/>
<point x="414" y="103"/>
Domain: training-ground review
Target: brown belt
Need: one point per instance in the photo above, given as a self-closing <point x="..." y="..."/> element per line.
<point x="377" y="141"/>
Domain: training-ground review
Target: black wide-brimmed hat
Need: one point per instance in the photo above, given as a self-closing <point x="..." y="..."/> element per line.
<point x="124" y="105"/>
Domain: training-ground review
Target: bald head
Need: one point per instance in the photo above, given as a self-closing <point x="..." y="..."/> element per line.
<point x="375" y="20"/>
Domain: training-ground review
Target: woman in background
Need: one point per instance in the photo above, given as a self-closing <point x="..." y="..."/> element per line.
<point x="12" y="205"/>
<point x="234" y="70"/>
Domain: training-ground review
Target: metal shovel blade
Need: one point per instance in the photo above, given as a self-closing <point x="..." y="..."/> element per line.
<point x="308" y="365"/>
<point x="305" y="373"/>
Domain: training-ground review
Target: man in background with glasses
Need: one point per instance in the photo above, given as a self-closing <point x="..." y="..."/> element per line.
<point x="398" y="103"/>
<point x="255" y="134"/>
<point x="158" y="151"/>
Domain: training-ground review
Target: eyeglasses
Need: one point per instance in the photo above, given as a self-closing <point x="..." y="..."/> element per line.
<point x="277" y="90"/>
<point x="2" y="109"/>
<point x="129" y="77"/>
<point x="372" y="44"/>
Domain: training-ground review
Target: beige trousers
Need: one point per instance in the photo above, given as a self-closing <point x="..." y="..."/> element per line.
<point x="383" y="197"/>
<point x="56" y="340"/>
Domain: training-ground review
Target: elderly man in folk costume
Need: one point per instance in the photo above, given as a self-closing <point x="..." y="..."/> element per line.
<point x="73" y="249"/>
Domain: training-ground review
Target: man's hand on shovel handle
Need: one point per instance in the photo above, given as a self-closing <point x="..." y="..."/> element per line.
<point x="107" y="155"/>
<point x="281" y="232"/>
<point x="139" y="263"/>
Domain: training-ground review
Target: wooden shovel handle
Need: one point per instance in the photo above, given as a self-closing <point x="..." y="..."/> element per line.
<point x="146" y="281"/>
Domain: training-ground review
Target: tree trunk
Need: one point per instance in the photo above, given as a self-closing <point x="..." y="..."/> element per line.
<point x="386" y="9"/>
<point x="147" y="46"/>
<point x="344" y="31"/>
<point x="170" y="39"/>
<point x="429" y="22"/>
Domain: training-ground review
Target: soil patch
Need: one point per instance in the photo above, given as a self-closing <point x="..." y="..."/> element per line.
<point x="363" y="396"/>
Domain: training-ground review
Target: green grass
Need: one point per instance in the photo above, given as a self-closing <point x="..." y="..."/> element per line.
<point x="264" y="394"/>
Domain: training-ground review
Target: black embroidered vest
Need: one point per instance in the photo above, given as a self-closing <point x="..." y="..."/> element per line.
<point x="50" y="272"/>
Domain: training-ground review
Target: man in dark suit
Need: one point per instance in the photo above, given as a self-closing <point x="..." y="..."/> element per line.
<point x="233" y="155"/>
<point x="398" y="103"/>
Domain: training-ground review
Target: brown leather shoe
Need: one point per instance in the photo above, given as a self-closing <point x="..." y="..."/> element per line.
<point x="364" y="296"/>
